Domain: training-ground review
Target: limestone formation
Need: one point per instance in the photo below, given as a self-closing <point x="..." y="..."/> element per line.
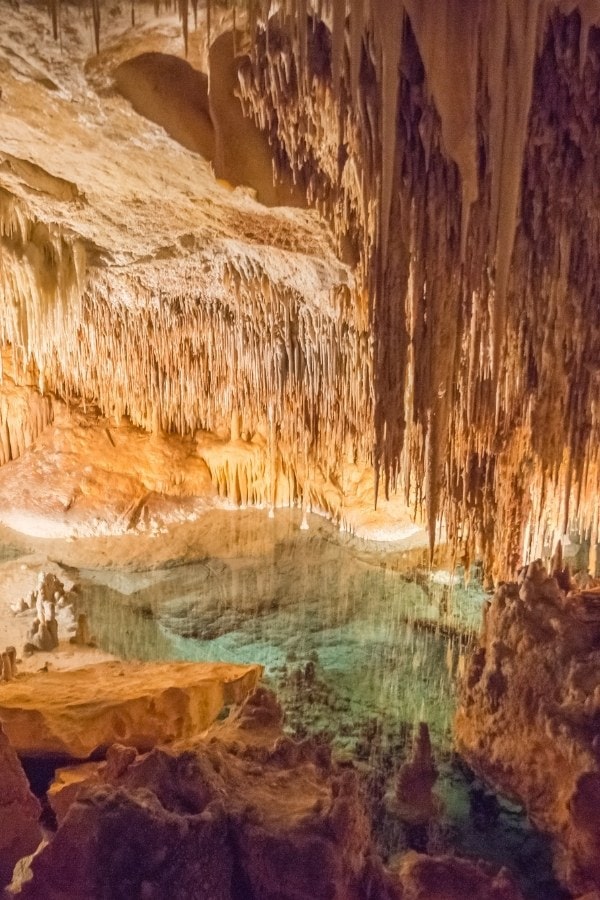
<point x="416" y="778"/>
<point x="20" y="832"/>
<point x="49" y="594"/>
<point x="452" y="355"/>
<point x="24" y="414"/>
<point x="406" y="149"/>
<point x="279" y="819"/>
<point x="127" y="844"/>
<point x="427" y="328"/>
<point x="449" y="878"/>
<point x="76" y="712"/>
<point x="82" y="636"/>
<point x="8" y="664"/>
<point x="529" y="715"/>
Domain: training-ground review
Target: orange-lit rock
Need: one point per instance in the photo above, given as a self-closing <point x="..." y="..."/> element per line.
<point x="530" y="711"/>
<point x="20" y="832"/>
<point x="449" y="878"/>
<point x="247" y="814"/>
<point x="296" y="823"/>
<point x="76" y="712"/>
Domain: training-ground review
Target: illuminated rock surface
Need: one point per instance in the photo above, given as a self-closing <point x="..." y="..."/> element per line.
<point x="76" y="712"/>
<point x="170" y="345"/>
<point x="455" y="351"/>
<point x="529" y="712"/>
<point x="280" y="818"/>
<point x="20" y="832"/>
<point x="357" y="654"/>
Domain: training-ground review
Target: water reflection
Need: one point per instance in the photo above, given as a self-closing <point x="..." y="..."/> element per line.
<point x="357" y="651"/>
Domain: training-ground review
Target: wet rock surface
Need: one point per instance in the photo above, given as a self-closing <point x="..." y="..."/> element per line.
<point x="529" y="719"/>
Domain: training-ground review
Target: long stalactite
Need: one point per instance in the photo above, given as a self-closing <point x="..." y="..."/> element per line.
<point x="453" y="148"/>
<point x="476" y="247"/>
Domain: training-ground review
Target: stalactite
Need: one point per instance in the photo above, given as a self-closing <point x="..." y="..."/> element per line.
<point x="238" y="343"/>
<point x="96" y="21"/>
<point x="476" y="139"/>
<point x="184" y="17"/>
<point x="453" y="147"/>
<point x="24" y="414"/>
<point x="54" y="6"/>
<point x="41" y="278"/>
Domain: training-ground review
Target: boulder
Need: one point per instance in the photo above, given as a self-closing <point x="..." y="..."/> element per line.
<point x="77" y="712"/>
<point x="126" y="844"/>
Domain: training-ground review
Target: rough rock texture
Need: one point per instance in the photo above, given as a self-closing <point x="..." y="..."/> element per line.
<point x="279" y="819"/>
<point x="451" y="338"/>
<point x="449" y="878"/>
<point x="126" y="844"/>
<point x="416" y="778"/>
<point x="87" y="476"/>
<point x="76" y="712"/>
<point x="19" y="590"/>
<point x="466" y="181"/>
<point x="20" y="832"/>
<point x="529" y="718"/>
<point x="141" y="285"/>
<point x="276" y="820"/>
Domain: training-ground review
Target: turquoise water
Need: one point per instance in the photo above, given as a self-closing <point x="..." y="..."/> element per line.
<point x="358" y="652"/>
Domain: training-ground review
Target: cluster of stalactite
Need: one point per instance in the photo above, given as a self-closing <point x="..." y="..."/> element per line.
<point x="183" y="7"/>
<point x="453" y="148"/>
<point x="237" y="345"/>
<point x="24" y="414"/>
<point x="42" y="271"/>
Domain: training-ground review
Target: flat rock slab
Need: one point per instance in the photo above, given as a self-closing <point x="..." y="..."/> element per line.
<point x="75" y="713"/>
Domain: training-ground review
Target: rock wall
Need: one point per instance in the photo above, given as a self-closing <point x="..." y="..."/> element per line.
<point x="529" y="716"/>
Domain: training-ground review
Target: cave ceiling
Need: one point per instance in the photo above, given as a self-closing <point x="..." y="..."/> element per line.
<point x="416" y="293"/>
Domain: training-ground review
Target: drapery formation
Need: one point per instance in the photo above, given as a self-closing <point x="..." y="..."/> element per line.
<point x="453" y="148"/>
<point x="452" y="145"/>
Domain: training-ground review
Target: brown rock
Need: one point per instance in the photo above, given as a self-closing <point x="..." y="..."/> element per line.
<point x="75" y="712"/>
<point x="583" y="849"/>
<point x="529" y="716"/>
<point x="449" y="878"/>
<point x="123" y="845"/>
<point x="20" y="832"/>
<point x="297" y="828"/>
<point x="416" y="778"/>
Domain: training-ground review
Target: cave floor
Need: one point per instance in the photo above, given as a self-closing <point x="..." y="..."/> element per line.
<point x="357" y="640"/>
